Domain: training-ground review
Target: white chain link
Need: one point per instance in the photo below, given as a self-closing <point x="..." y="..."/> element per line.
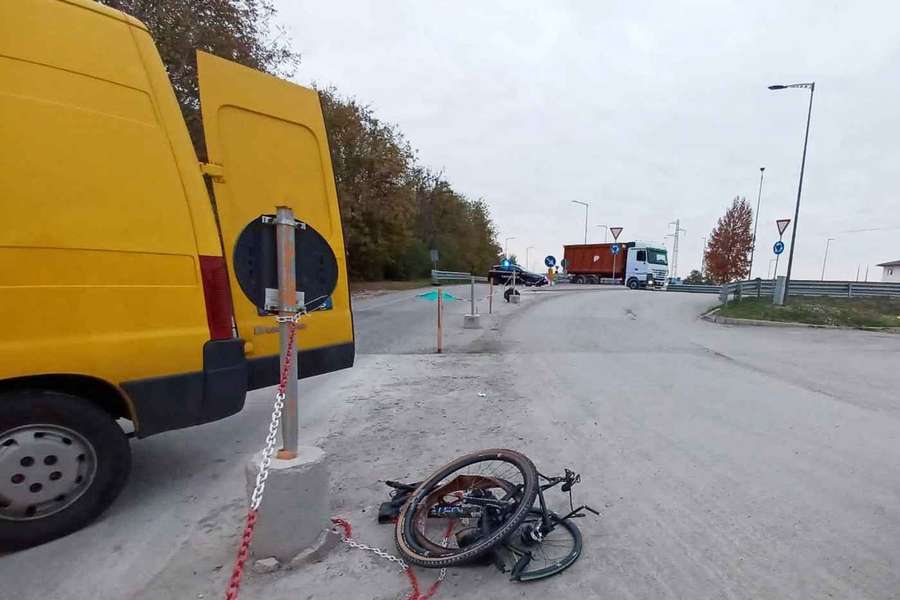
<point x="268" y="452"/>
<point x="376" y="551"/>
<point x="388" y="556"/>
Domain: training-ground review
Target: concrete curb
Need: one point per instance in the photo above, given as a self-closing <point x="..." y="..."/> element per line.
<point x="713" y="317"/>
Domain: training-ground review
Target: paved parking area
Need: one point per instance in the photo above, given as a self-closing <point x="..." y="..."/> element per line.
<point x="728" y="462"/>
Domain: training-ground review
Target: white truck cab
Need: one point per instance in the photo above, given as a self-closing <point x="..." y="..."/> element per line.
<point x="646" y="265"/>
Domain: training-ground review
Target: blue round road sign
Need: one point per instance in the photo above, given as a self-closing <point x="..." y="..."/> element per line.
<point x="550" y="261"/>
<point x="778" y="248"/>
<point x="614" y="248"/>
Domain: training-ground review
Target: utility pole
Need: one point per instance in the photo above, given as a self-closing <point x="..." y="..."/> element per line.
<point x="769" y="275"/>
<point x="527" y="261"/>
<point x="755" y="222"/>
<point x="675" y="235"/>
<point x="857" y="272"/>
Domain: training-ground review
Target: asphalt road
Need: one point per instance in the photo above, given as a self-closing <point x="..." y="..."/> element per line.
<point x="728" y="462"/>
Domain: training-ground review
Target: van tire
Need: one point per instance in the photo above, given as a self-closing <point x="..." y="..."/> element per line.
<point x="633" y="284"/>
<point x="96" y="434"/>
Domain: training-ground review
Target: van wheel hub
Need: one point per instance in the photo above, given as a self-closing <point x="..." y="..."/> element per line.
<point x="43" y="469"/>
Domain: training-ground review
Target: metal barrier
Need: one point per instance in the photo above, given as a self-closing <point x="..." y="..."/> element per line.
<point x="798" y="287"/>
<point x="439" y="276"/>
<point x="694" y="289"/>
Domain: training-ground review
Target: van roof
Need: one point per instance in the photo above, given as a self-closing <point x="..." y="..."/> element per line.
<point x="106" y="11"/>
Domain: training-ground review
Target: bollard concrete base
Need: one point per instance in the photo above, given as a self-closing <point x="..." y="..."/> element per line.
<point x="294" y="511"/>
<point x="515" y="298"/>
<point x="472" y="322"/>
<point x="778" y="294"/>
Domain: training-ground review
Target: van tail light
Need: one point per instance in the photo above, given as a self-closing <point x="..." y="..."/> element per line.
<point x="217" y="293"/>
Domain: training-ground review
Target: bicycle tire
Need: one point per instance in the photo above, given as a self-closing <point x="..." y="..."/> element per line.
<point x="405" y="535"/>
<point x="559" y="564"/>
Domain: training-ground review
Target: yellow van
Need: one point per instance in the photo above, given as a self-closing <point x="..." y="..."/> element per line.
<point x="118" y="295"/>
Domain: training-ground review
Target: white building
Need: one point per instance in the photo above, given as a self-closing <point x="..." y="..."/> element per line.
<point x="890" y="271"/>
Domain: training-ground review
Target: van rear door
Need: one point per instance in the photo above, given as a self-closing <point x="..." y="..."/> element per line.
<point x="267" y="146"/>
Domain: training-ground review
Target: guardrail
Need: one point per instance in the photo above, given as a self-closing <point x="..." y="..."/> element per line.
<point x="439" y="276"/>
<point x="694" y="288"/>
<point x="798" y="287"/>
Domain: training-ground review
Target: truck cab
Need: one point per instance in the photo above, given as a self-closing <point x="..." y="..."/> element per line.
<point x="645" y="266"/>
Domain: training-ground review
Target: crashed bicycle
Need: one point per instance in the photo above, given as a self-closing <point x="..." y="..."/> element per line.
<point x="489" y="507"/>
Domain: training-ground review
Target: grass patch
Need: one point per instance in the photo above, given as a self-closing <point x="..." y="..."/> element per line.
<point x="387" y="286"/>
<point x="849" y="312"/>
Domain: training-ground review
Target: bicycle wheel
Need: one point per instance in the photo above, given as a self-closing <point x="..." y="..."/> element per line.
<point x="550" y="554"/>
<point x="465" y="508"/>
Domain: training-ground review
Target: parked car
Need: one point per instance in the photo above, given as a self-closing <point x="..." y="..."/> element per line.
<point x="503" y="274"/>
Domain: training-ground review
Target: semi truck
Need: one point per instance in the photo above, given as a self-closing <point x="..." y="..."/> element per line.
<point x="636" y="264"/>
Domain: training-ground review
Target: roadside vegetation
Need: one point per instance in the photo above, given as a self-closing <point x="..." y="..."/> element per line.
<point x="394" y="209"/>
<point x="849" y="312"/>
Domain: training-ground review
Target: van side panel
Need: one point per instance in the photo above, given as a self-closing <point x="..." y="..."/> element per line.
<point x="99" y="269"/>
<point x="170" y="120"/>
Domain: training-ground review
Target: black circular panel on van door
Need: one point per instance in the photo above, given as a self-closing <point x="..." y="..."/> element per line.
<point x="256" y="267"/>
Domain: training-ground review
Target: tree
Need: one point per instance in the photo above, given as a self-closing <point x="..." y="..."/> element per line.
<point x="697" y="278"/>
<point x="239" y="30"/>
<point x="727" y="254"/>
<point x="393" y="211"/>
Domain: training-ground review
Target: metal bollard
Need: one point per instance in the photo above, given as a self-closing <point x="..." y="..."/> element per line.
<point x="440" y="320"/>
<point x="491" y="297"/>
<point x="287" y="307"/>
<point x="472" y="297"/>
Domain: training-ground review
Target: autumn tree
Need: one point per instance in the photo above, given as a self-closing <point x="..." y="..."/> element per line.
<point x="240" y="30"/>
<point x="727" y="255"/>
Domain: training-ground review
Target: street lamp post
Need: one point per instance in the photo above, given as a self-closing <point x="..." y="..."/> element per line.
<point x="812" y="88"/>
<point x="585" y="205"/>
<point x="506" y="247"/>
<point x="825" y="260"/>
<point x="605" y="232"/>
<point x="755" y="222"/>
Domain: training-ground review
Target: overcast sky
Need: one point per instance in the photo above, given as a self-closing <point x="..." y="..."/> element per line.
<point x="649" y="111"/>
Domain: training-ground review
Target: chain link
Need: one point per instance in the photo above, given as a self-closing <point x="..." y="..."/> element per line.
<point x="377" y="552"/>
<point x="234" y="582"/>
<point x="268" y="452"/>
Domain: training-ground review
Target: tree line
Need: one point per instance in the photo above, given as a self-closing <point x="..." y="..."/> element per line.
<point x="394" y="210"/>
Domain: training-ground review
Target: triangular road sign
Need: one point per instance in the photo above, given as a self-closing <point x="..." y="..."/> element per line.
<point x="782" y="225"/>
<point x="615" y="231"/>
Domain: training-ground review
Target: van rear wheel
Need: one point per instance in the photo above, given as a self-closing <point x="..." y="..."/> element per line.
<point x="62" y="462"/>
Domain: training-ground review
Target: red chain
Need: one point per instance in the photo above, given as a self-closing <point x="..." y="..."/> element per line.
<point x="234" y="582"/>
